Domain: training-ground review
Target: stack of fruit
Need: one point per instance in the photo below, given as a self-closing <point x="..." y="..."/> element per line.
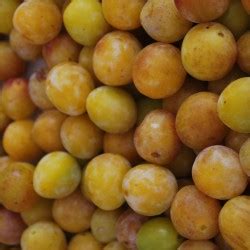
<point x="125" y="124"/>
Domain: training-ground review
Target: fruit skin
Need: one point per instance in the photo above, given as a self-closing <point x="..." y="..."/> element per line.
<point x="201" y="11"/>
<point x="123" y="14"/>
<point x="244" y="52"/>
<point x="246" y="5"/>
<point x="81" y="137"/>
<point x="114" y="56"/>
<point x="41" y="210"/>
<point x="18" y="142"/>
<point x="163" y="22"/>
<point x="199" y="130"/>
<point x="217" y="172"/>
<point x="85" y="22"/>
<point x="23" y="47"/>
<point x="104" y="175"/>
<point x="67" y="87"/>
<point x="7" y="11"/>
<point x="149" y="189"/>
<point x="208" y="51"/>
<point x="191" y="205"/>
<point x="245" y="157"/>
<point x="155" y="139"/>
<point x="46" y="130"/>
<point x="57" y="175"/>
<point x="84" y="241"/>
<point x="77" y="209"/>
<point x="37" y="28"/>
<point x="233" y="105"/>
<point x="16" y="100"/>
<point x="37" y="88"/>
<point x="16" y="183"/>
<point x="235" y="140"/>
<point x="11" y="65"/>
<point x="85" y="59"/>
<point x="234" y="222"/>
<point x="61" y="49"/>
<point x="111" y="109"/>
<point x="43" y="235"/>
<point x="197" y="245"/>
<point x="158" y="233"/>
<point x="158" y="71"/>
<point x="127" y="227"/>
<point x="103" y="224"/>
<point x="235" y="18"/>
<point x="114" y="245"/>
<point x="11" y="227"/>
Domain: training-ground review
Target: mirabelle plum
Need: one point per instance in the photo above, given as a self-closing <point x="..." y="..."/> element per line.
<point x="103" y="224"/>
<point x="163" y="22"/>
<point x="158" y="71"/>
<point x="234" y="222"/>
<point x="37" y="89"/>
<point x="67" y="87"/>
<point x="114" y="245"/>
<point x="84" y="241"/>
<point x="244" y="52"/>
<point x="202" y="128"/>
<point x="122" y="144"/>
<point x="23" y="47"/>
<point x="43" y="235"/>
<point x="149" y="189"/>
<point x="16" y="100"/>
<point x="84" y="21"/>
<point x="234" y="140"/>
<point x="11" y="227"/>
<point x="245" y="156"/>
<point x="111" y="109"/>
<point x="246" y="5"/>
<point x="16" y="183"/>
<point x="114" y="56"/>
<point x="11" y="65"/>
<point x="61" y="49"/>
<point x="209" y="51"/>
<point x="156" y="139"/>
<point x="198" y="245"/>
<point x="86" y="59"/>
<point x="127" y="227"/>
<point x="38" y="21"/>
<point x="217" y="173"/>
<point x="57" y="175"/>
<point x="123" y="14"/>
<point x="81" y="137"/>
<point x="46" y="130"/>
<point x="195" y="215"/>
<point x="104" y="175"/>
<point x="18" y="142"/>
<point x="41" y="210"/>
<point x="73" y="213"/>
<point x="233" y="105"/>
<point x="4" y="119"/>
<point x="201" y="11"/>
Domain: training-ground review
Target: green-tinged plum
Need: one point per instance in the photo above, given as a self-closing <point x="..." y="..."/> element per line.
<point x="245" y="157"/>
<point x="115" y="245"/>
<point x="158" y="233"/>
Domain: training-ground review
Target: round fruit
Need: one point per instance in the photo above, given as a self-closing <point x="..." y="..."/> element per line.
<point x="233" y="105"/>
<point x="217" y="173"/>
<point x="114" y="245"/>
<point x="163" y="22"/>
<point x="245" y="157"/>
<point x="111" y="109"/>
<point x="195" y="215"/>
<point x="149" y="189"/>
<point x="57" y="175"/>
<point x="236" y="212"/>
<point x="68" y="85"/>
<point x="198" y="245"/>
<point x="84" y="21"/>
<point x="158" y="233"/>
<point x="199" y="130"/>
<point x="208" y="51"/>
<point x="43" y="235"/>
<point x="235" y="140"/>
<point x="102" y="180"/>
<point x="73" y="213"/>
<point x="244" y="52"/>
<point x="156" y="139"/>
